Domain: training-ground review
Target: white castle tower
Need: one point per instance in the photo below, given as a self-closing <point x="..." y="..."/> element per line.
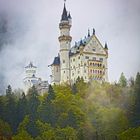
<point x="30" y="76"/>
<point x="65" y="44"/>
<point x="31" y="80"/>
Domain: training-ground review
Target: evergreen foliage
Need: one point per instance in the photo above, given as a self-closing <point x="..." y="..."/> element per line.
<point x="123" y="80"/>
<point x="83" y="111"/>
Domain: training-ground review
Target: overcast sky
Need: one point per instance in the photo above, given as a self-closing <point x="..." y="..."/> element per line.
<point x="33" y="28"/>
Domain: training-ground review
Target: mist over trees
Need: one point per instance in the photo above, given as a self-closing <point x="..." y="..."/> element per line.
<point x="3" y="40"/>
<point x="83" y="111"/>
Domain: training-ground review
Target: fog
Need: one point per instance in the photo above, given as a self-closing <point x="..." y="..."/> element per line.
<point x="31" y="34"/>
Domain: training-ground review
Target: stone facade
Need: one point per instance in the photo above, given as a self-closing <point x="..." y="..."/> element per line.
<point x="31" y="80"/>
<point x="87" y="59"/>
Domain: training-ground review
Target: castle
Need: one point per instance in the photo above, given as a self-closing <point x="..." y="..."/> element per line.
<point x="87" y="59"/>
<point x="32" y="80"/>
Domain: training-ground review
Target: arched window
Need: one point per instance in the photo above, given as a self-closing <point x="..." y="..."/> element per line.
<point x="56" y="69"/>
<point x="90" y="71"/>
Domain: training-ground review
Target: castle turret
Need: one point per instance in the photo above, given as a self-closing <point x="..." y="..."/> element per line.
<point x="65" y="44"/>
<point x="30" y="70"/>
<point x="30" y="76"/>
<point x="106" y="64"/>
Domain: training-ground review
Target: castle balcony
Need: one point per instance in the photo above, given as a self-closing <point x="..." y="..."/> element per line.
<point x="65" y="24"/>
<point x="96" y="64"/>
<point x="65" y="38"/>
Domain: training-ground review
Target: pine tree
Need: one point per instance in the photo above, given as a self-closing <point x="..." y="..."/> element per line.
<point x="33" y="104"/>
<point x="22" y="107"/>
<point x="137" y="83"/>
<point x="51" y="94"/>
<point x="11" y="109"/>
<point x="136" y="113"/>
<point x="122" y="80"/>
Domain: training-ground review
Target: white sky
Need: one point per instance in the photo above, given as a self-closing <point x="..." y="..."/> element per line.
<point x="33" y="25"/>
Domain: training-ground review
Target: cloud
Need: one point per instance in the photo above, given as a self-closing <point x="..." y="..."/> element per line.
<point x="32" y="34"/>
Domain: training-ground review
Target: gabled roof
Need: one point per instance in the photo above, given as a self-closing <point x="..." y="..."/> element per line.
<point x="76" y="47"/>
<point x="83" y="42"/>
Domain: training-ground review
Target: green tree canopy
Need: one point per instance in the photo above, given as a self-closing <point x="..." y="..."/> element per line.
<point x="122" y="80"/>
<point x="5" y="130"/>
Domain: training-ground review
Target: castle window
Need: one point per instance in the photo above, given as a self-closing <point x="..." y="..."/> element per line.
<point x="64" y="71"/>
<point x="63" y="61"/>
<point x="79" y="65"/>
<point x="94" y="58"/>
<point x="79" y="57"/>
<point x="95" y="71"/>
<point x="73" y="59"/>
<point x="87" y="57"/>
<point x="94" y="49"/>
<point x="84" y="64"/>
<point x="101" y="59"/>
<point x="90" y="71"/>
<point x="56" y="69"/>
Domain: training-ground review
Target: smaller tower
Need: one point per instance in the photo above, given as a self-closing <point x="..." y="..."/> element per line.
<point x="88" y="33"/>
<point x="106" y="64"/>
<point x="65" y="45"/>
<point x="30" y="76"/>
<point x="55" y="67"/>
<point x="30" y="70"/>
<point x="70" y="19"/>
<point x="93" y="31"/>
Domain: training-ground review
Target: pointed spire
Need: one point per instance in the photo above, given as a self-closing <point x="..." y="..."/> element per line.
<point x="81" y="42"/>
<point x="88" y="33"/>
<point x="106" y="46"/>
<point x="69" y="16"/>
<point x="64" y="14"/>
<point x="93" y="31"/>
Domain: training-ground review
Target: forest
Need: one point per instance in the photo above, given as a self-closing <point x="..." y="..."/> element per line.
<point x="83" y="111"/>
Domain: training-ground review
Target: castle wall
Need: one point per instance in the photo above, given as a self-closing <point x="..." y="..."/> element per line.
<point x="55" y="78"/>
